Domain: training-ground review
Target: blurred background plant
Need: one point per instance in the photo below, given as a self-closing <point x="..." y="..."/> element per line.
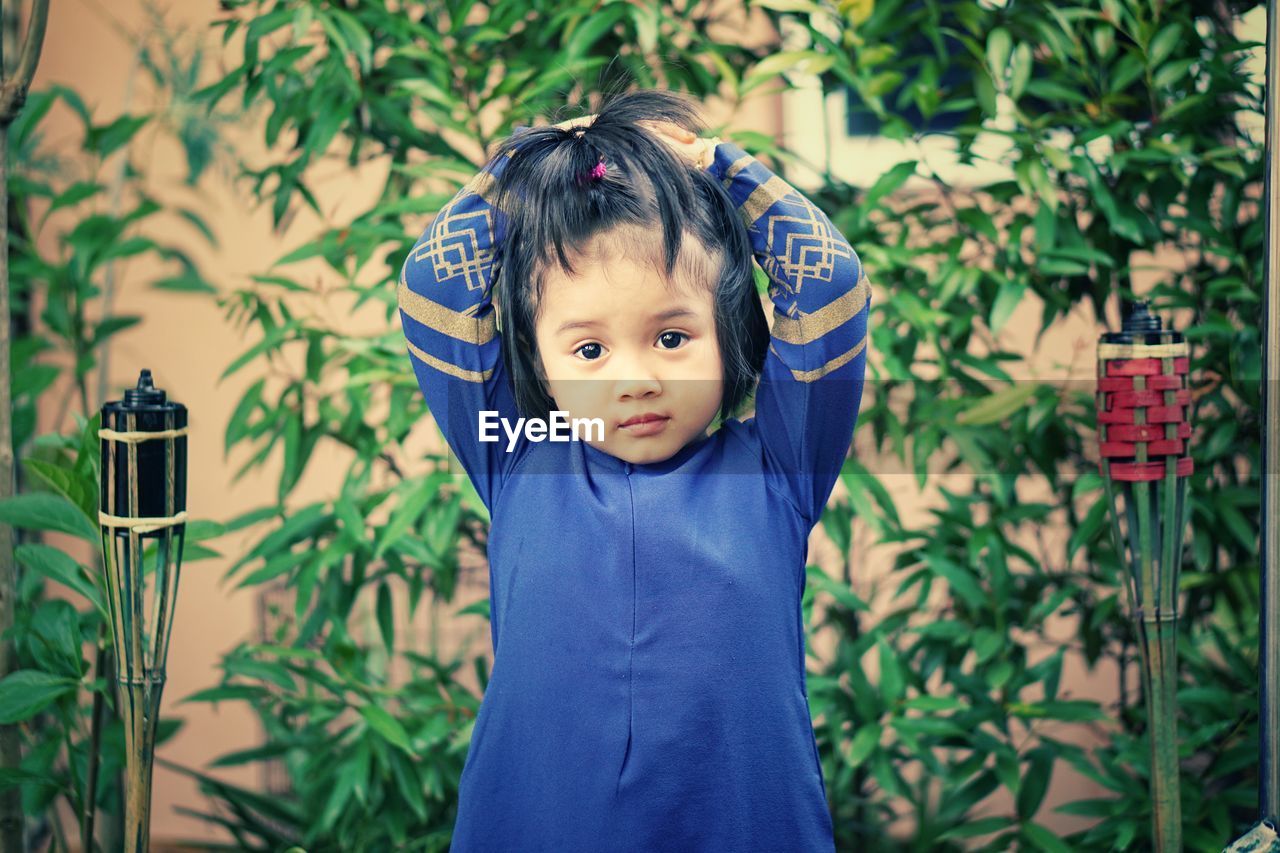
<point x="94" y="198"/>
<point x="1123" y="141"/>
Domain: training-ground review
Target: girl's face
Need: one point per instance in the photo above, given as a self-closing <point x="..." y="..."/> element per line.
<point x="617" y="343"/>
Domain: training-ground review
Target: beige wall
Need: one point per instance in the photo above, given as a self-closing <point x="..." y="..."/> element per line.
<point x="187" y="344"/>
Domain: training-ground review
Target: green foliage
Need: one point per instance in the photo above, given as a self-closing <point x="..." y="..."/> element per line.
<point x="95" y="215"/>
<point x="1122" y="140"/>
<point x="1122" y="134"/>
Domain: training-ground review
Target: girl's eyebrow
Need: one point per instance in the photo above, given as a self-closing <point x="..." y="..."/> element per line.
<point x="669" y="314"/>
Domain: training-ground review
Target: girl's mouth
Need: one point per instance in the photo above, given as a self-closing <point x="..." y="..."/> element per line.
<point x="651" y="427"/>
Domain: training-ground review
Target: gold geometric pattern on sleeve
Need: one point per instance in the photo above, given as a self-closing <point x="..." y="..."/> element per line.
<point x="807" y="328"/>
<point x="808" y="245"/>
<point x="456" y="324"/>
<point x="452" y="246"/>
<point x="833" y="364"/>
<point x="810" y="248"/>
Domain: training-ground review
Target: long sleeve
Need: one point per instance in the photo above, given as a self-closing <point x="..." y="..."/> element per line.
<point x="446" y="313"/>
<point x="811" y="386"/>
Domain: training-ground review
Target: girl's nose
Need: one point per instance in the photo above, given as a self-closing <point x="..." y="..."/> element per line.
<point x="639" y="387"/>
<point x="636" y="377"/>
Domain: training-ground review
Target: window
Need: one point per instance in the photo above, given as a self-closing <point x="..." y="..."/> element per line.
<point x="920" y="55"/>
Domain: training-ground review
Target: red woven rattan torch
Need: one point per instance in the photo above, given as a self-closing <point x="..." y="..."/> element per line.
<point x="1144" y="438"/>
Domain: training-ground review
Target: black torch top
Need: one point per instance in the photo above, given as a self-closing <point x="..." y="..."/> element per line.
<point x="1142" y="327"/>
<point x="161" y="463"/>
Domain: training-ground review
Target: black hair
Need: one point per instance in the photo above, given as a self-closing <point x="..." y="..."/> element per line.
<point x="551" y="214"/>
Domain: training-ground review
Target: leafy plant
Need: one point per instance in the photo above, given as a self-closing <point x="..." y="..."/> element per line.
<point x="1122" y="141"/>
<point x="97" y="217"/>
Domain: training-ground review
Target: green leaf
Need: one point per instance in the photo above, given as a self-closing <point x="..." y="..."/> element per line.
<point x="985" y="91"/>
<point x="1044" y="839"/>
<point x="249" y="756"/>
<point x="58" y="566"/>
<point x="935" y="703"/>
<point x="299" y="525"/>
<point x="998" y="47"/>
<point x="302" y="253"/>
<point x="1163" y="44"/>
<point x="270" y="341"/>
<point x="1008" y="767"/>
<point x="387" y="726"/>
<point x="838" y="590"/>
<point x="980" y="826"/>
<point x="1021" y="74"/>
<point x="188" y="282"/>
<point x="1069" y="710"/>
<point x="865" y="742"/>
<point x="386" y="621"/>
<point x="26" y="692"/>
<point x="1007" y="299"/>
<point x="104" y="139"/>
<point x="409" y="783"/>
<point x="11" y="776"/>
<point x="891" y="682"/>
<point x="588" y="32"/>
<point x="1035" y="782"/>
<point x="479" y="608"/>
<point x="937" y="726"/>
<point x="340" y="796"/>
<point x="405" y="515"/>
<point x="74" y="194"/>
<point x="238" y="424"/>
<point x="43" y="511"/>
<point x="1089" y="527"/>
<point x="78" y="489"/>
<point x="279" y="564"/>
<point x="780" y="62"/>
<point x="1242" y="530"/>
<point x="998" y="406"/>
<point x="357" y="37"/>
<point x="127" y="248"/>
<point x="271" y="672"/>
<point x="962" y="581"/>
<point x="247" y="692"/>
<point x="889" y="182"/>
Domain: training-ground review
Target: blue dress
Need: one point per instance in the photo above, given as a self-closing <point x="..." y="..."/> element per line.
<point x="648" y="684"/>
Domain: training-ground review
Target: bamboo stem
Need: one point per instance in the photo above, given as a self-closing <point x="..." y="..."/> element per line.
<point x="13" y="94"/>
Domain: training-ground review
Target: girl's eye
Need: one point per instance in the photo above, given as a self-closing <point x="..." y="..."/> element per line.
<point x="583" y="347"/>
<point x="667" y="334"/>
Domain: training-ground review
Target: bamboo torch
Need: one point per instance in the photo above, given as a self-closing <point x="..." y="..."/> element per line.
<point x="142" y="516"/>
<point x="1144" y="438"/>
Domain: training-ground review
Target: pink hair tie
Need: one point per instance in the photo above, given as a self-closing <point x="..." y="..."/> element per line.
<point x="596" y="173"/>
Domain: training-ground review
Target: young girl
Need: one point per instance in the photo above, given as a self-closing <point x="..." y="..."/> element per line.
<point x="648" y="686"/>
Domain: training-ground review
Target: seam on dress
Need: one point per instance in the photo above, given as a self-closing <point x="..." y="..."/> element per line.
<point x="502" y="481"/>
<point x="632" y="651"/>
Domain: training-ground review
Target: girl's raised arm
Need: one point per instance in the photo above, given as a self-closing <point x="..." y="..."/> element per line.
<point x="446" y="312"/>
<point x="811" y="386"/>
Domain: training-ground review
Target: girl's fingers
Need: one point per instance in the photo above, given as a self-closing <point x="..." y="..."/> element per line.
<point x="574" y="122"/>
<point x="667" y="128"/>
<point x="684" y="142"/>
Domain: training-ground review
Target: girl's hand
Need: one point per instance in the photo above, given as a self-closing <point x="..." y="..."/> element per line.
<point x="574" y="122"/>
<point x="698" y="151"/>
